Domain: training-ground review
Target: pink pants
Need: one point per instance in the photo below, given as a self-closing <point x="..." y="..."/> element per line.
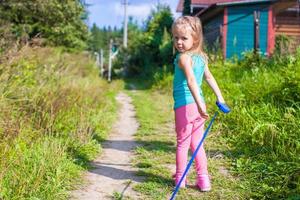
<point x="190" y="130"/>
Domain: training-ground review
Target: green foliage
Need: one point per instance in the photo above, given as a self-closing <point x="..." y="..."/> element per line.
<point x="7" y="37"/>
<point x="186" y="7"/>
<point x="99" y="38"/>
<point x="166" y="47"/>
<point x="160" y="21"/>
<point x="150" y="47"/>
<point x="282" y="44"/>
<point x="61" y="23"/>
<point x="263" y="125"/>
<point x="54" y="111"/>
<point x="163" y="80"/>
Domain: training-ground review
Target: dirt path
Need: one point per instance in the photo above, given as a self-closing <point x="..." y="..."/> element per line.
<point x="112" y="176"/>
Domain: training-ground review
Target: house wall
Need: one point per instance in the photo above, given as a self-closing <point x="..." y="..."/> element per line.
<point x="240" y="30"/>
<point x="288" y="23"/>
<point x="271" y="31"/>
<point x="196" y="10"/>
<point x="212" y="32"/>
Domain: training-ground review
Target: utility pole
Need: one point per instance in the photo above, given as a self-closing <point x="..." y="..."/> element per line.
<point x="158" y="5"/>
<point x="256" y="31"/>
<point x="101" y="62"/>
<point x="125" y="24"/>
<point x="110" y="60"/>
<point x="298" y="14"/>
<point x="113" y="51"/>
<point x="97" y="59"/>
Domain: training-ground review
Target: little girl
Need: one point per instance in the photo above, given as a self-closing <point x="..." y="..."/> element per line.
<point x="190" y="110"/>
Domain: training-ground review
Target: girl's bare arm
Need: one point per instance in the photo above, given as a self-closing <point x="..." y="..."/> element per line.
<point x="213" y="84"/>
<point x="185" y="63"/>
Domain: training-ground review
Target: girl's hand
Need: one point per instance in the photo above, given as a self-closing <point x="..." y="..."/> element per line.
<point x="202" y="113"/>
<point x="221" y="100"/>
<point x="223" y="107"/>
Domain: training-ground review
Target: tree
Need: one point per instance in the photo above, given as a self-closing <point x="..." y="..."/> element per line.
<point x="59" y="22"/>
<point x="96" y="38"/>
<point x="150" y="47"/>
<point x="160" y="20"/>
<point x="186" y="7"/>
<point x="166" y="47"/>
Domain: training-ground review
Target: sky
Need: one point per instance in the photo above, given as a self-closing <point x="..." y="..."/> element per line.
<point x="111" y="12"/>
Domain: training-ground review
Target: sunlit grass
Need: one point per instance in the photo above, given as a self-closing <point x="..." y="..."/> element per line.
<point x="259" y="139"/>
<point x="54" y="111"/>
<point x="156" y="155"/>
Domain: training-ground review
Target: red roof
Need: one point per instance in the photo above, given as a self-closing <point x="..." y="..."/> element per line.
<point x="209" y="2"/>
<point x="202" y="3"/>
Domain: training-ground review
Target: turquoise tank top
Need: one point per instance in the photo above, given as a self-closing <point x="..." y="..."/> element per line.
<point x="181" y="92"/>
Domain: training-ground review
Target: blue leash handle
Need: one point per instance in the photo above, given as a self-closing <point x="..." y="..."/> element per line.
<point x="193" y="156"/>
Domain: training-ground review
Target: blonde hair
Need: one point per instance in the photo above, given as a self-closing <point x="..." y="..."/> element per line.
<point x="194" y="24"/>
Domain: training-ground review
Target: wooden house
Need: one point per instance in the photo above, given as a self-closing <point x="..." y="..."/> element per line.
<point x="232" y="25"/>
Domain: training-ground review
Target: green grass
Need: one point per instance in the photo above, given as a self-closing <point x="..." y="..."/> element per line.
<point x="156" y="155"/>
<point x="117" y="196"/>
<point x="259" y="138"/>
<point x="41" y="170"/>
<point x="263" y="128"/>
<point x="54" y="112"/>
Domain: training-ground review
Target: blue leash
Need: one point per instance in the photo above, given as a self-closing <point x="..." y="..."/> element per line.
<point x="193" y="156"/>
